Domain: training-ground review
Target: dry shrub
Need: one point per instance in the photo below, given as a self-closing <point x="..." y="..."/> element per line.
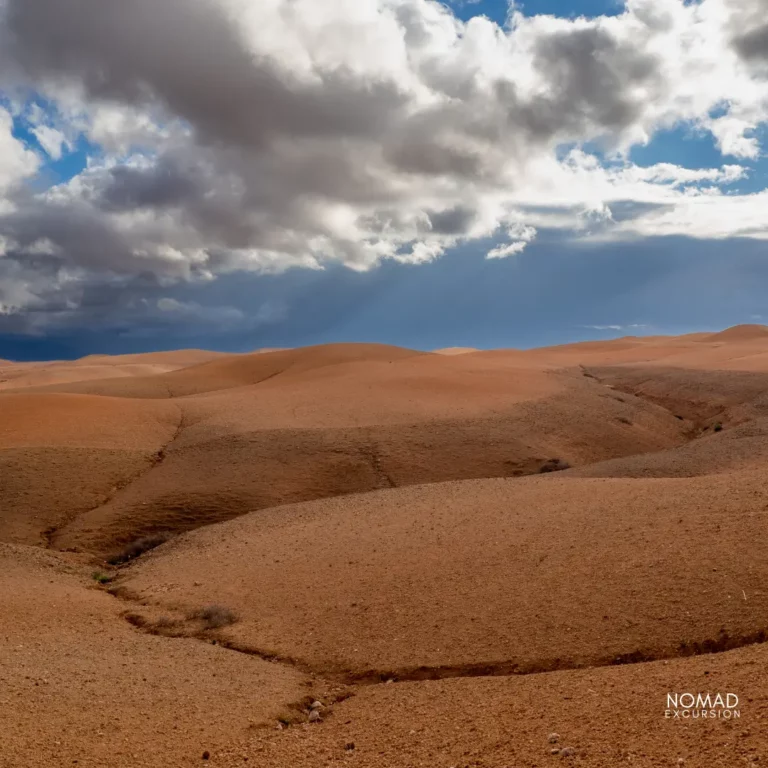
<point x="139" y="547"/>
<point x="214" y="616"/>
<point x="554" y="465"/>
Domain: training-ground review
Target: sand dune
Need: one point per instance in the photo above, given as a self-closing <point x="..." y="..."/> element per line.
<point x="370" y="513"/>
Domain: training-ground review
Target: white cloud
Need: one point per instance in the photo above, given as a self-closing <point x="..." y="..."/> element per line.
<point x="355" y="131"/>
<point x="520" y="235"/>
<point x="52" y="141"/>
<point x="16" y="161"/>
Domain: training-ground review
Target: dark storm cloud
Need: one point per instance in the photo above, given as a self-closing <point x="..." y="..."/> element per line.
<point x="592" y="77"/>
<point x="192" y="58"/>
<point x="160" y="186"/>
<point x="320" y="144"/>
<point x="749" y="24"/>
<point x="455" y="221"/>
<point x="754" y="44"/>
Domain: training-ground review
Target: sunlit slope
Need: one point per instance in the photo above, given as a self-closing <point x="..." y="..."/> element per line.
<point x="358" y="426"/>
<point x="537" y="573"/>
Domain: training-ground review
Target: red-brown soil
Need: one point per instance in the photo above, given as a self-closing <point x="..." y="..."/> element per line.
<point x="378" y="529"/>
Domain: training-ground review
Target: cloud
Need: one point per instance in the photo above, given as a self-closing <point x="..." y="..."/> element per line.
<point x="16" y="161"/>
<point x="52" y="141"/>
<point x="520" y="235"/>
<point x="363" y="131"/>
<point x="635" y="326"/>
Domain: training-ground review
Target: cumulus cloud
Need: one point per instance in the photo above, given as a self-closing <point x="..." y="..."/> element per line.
<point x="290" y="133"/>
<point x="16" y="161"/>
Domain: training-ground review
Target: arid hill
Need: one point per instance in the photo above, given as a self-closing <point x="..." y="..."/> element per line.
<point x="458" y="554"/>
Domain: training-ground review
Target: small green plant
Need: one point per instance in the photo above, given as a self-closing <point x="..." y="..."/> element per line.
<point x="718" y="427"/>
<point x="101" y="578"/>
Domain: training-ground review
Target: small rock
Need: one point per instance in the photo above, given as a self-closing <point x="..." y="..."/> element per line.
<point x="316" y="705"/>
<point x="554" y="751"/>
<point x="349" y="746"/>
<point x="206" y="755"/>
<point x="567" y="752"/>
<point x="314" y="716"/>
<point x="279" y="726"/>
<point x="553" y="738"/>
<point x="681" y="761"/>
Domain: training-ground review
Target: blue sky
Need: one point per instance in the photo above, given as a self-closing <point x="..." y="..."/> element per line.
<point x="498" y="9"/>
<point x="127" y="227"/>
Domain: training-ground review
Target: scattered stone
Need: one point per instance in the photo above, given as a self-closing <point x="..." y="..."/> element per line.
<point x="553" y="738"/>
<point x="555" y="751"/>
<point x="314" y="716"/>
<point x="316" y="705"/>
<point x="681" y="761"/>
<point x="567" y="752"/>
<point x="349" y="746"/>
<point x="206" y="755"/>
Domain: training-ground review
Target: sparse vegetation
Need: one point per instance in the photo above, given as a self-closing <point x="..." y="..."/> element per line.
<point x="165" y="623"/>
<point x="214" y="616"/>
<point x="718" y="427"/>
<point x="139" y="547"/>
<point x="554" y="465"/>
<point x="101" y="578"/>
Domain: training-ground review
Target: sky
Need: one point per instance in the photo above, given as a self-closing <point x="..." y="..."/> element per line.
<point x="234" y="175"/>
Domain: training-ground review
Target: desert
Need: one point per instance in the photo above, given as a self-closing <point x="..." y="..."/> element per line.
<point x="371" y="555"/>
<point x="383" y="383"/>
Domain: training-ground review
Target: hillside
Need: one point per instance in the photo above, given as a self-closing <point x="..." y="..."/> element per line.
<point x="458" y="553"/>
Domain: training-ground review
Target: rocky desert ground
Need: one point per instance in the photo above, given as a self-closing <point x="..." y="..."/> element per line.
<point x="371" y="556"/>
